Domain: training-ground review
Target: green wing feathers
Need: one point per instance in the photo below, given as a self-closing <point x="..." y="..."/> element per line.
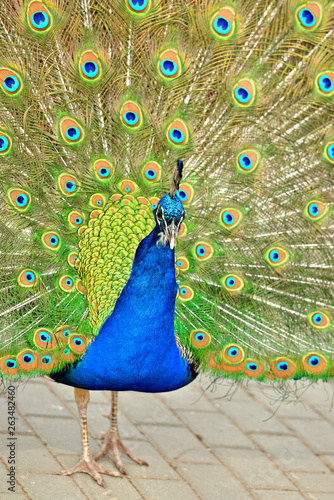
<point x="98" y="101"/>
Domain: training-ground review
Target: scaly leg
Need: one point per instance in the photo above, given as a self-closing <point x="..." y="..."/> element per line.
<point x="112" y="441"/>
<point x="86" y="463"/>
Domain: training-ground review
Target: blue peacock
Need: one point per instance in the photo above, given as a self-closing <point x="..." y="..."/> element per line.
<point x="166" y="171"/>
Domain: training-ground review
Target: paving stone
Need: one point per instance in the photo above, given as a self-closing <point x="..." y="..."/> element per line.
<point x="4" y="478"/>
<point x="319" y="496"/>
<point x="67" y="393"/>
<point x="147" y="409"/>
<point x="216" y="429"/>
<point x="253" y="417"/>
<point x="62" y="434"/>
<point x="325" y="412"/>
<point x="179" y="444"/>
<point x="116" y="487"/>
<point x="320" y="393"/>
<point x="213" y="482"/>
<point x="329" y="460"/>
<point x="39" y="400"/>
<point x="319" y="434"/>
<point x="255" y="468"/>
<point x="9" y="495"/>
<point x="187" y="398"/>
<point x="97" y="423"/>
<point x="290" y="453"/>
<point x="277" y="495"/>
<point x="49" y="487"/>
<point x="156" y="489"/>
<point x="33" y="456"/>
<point x="158" y="467"/>
<point x="309" y="481"/>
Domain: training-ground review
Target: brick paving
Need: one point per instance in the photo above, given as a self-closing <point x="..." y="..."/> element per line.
<point x="209" y="445"/>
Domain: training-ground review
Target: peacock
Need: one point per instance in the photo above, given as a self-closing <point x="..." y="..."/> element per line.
<point x="166" y="199"/>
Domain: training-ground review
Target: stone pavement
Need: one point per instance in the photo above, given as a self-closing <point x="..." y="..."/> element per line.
<point x="199" y="445"/>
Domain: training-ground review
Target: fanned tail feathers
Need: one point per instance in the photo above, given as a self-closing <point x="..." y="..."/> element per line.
<point x="99" y="100"/>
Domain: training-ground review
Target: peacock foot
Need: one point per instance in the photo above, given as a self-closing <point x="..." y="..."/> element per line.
<point x="89" y="466"/>
<point x="113" y="445"/>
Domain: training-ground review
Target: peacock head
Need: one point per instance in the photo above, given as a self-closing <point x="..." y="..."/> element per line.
<point x="169" y="215"/>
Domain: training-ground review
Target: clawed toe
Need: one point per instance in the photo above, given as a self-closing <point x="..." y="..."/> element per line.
<point x="91" y="467"/>
<point x="114" y="446"/>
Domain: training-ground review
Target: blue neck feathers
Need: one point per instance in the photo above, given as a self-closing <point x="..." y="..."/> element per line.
<point x="136" y="348"/>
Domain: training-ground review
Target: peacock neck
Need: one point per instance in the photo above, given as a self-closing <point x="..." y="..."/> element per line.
<point x="149" y="296"/>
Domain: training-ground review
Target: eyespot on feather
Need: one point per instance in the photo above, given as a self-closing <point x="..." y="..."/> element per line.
<point x="39" y="17"/>
<point x="177" y="133"/>
<point x="200" y="339"/>
<point x="185" y="293"/>
<point x="68" y="184"/>
<point x="44" y="339"/>
<point x="315" y="210"/>
<point x="77" y="343"/>
<point x="138" y="7"/>
<point x="97" y="200"/>
<point x="329" y="151"/>
<point x="64" y="332"/>
<point x="319" y="320"/>
<point x="71" y="130"/>
<point x="203" y="251"/>
<point x="314" y="363"/>
<point x="309" y="16"/>
<point x="223" y="23"/>
<point x="325" y="83"/>
<point x="254" y="369"/>
<point x="185" y="193"/>
<point x="51" y="240"/>
<point x="72" y="259"/>
<point x="127" y="186"/>
<point x="67" y="284"/>
<point x="283" y="367"/>
<point x="182" y="263"/>
<point x="27" y="360"/>
<point x="277" y="256"/>
<point x="244" y="92"/>
<point x="27" y="278"/>
<point x="233" y="354"/>
<point x="169" y="64"/>
<point x="248" y="161"/>
<point x="5" y="143"/>
<point x="10" y="81"/>
<point x="76" y="219"/>
<point x="9" y="366"/>
<point x="233" y="283"/>
<point x="230" y="218"/>
<point x="103" y="169"/>
<point x="131" y="115"/>
<point x="90" y="65"/>
<point x="46" y="361"/>
<point x="152" y="171"/>
<point x="19" y="198"/>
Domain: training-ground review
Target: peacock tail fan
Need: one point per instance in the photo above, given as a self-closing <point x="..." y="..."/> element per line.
<point x="99" y="100"/>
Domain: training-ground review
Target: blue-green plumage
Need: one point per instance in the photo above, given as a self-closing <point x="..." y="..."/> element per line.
<point x="136" y="347"/>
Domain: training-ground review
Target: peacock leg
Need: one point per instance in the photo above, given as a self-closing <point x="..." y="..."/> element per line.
<point x="112" y="441"/>
<point x="86" y="463"/>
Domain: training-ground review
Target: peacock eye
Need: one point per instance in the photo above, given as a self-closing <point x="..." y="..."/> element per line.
<point x="159" y="213"/>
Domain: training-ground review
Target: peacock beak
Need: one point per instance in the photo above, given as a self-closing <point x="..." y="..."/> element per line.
<point x="171" y="233"/>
